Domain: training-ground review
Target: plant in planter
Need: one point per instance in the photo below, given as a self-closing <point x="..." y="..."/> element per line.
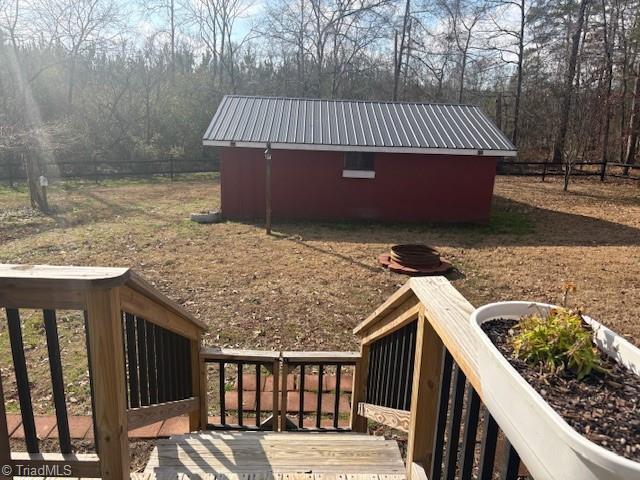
<point x="559" y="340"/>
<point x="563" y="388"/>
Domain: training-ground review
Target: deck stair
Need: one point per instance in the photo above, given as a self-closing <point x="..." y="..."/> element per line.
<point x="251" y="455"/>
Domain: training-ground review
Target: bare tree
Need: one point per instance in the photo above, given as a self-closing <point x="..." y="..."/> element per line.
<point x="401" y="47"/>
<point x="567" y="98"/>
<point x="77" y="26"/>
<point x="462" y="18"/>
<point x="215" y="21"/>
<point x="513" y="51"/>
<point x="634" y="120"/>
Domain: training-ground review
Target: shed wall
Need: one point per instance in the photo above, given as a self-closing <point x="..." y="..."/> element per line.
<point x="309" y="185"/>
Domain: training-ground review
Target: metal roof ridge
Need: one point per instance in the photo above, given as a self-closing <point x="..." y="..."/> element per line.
<point x="347" y="100"/>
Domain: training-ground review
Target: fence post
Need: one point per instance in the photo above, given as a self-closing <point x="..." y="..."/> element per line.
<point x="171" y="166"/>
<point x="603" y="171"/>
<point x="544" y="169"/>
<point x="107" y="360"/>
<point x="424" y="395"/>
<point x="10" y="172"/>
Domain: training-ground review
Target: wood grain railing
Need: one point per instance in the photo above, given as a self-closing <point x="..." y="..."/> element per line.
<point x="142" y="353"/>
<point x="420" y="341"/>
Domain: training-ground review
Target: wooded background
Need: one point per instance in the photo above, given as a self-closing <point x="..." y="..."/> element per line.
<point x="91" y="81"/>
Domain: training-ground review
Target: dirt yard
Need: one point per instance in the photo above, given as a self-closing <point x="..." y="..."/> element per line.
<point x="306" y="286"/>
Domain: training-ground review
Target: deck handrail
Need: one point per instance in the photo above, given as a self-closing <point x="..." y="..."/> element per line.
<point x="142" y="349"/>
<point x="444" y="370"/>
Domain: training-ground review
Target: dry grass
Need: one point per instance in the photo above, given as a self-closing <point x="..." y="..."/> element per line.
<point x="308" y="285"/>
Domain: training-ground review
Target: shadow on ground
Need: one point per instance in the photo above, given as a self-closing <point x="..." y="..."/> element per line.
<point x="512" y="223"/>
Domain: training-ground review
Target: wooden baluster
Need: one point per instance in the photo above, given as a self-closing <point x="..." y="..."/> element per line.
<point x="22" y="379"/>
<point x="424" y="394"/>
<point x="107" y="361"/>
<point x="57" y="381"/>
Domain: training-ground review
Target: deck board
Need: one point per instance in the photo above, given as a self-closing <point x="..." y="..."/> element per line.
<point x="276" y="456"/>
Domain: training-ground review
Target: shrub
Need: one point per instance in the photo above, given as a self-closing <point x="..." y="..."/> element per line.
<point x="561" y="340"/>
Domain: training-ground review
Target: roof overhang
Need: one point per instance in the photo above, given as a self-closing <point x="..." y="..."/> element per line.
<point x="356" y="148"/>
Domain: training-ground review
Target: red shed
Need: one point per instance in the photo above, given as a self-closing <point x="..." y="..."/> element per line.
<point x="335" y="159"/>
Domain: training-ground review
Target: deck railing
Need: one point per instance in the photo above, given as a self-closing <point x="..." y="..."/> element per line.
<point x="327" y="371"/>
<point x="265" y="366"/>
<point x="416" y="372"/>
<point x="238" y="379"/>
<point x="420" y="377"/>
<point x="142" y="353"/>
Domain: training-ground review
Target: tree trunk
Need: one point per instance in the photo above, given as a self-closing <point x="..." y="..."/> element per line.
<point x="36" y="195"/>
<point x="558" y="149"/>
<point x="516" y="107"/>
<point x="634" y="121"/>
<point x="499" y="110"/>
<point x="400" y="50"/>
<point x="72" y="80"/>
<point x="173" y="38"/>
<point x="607" y="38"/>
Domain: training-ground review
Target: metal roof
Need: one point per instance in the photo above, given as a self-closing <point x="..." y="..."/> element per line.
<point x="317" y="124"/>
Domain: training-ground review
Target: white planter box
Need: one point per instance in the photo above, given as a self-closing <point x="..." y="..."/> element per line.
<point x="548" y="446"/>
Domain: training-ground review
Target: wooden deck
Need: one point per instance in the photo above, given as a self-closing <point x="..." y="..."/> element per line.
<point x="280" y="456"/>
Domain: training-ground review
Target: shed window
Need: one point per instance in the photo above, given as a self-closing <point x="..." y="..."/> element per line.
<point x="359" y="165"/>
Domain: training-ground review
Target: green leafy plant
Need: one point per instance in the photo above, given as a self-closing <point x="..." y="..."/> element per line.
<point x="560" y="340"/>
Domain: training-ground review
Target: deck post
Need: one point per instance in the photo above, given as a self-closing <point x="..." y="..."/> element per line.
<point x="275" y="371"/>
<point x="107" y="360"/>
<point x="203" y="392"/>
<point x="197" y="388"/>
<point x="359" y="423"/>
<point x="424" y="395"/>
<point x="5" y="446"/>
<point x="284" y="374"/>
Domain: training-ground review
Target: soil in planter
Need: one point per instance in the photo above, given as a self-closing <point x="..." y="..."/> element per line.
<point x="603" y="408"/>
